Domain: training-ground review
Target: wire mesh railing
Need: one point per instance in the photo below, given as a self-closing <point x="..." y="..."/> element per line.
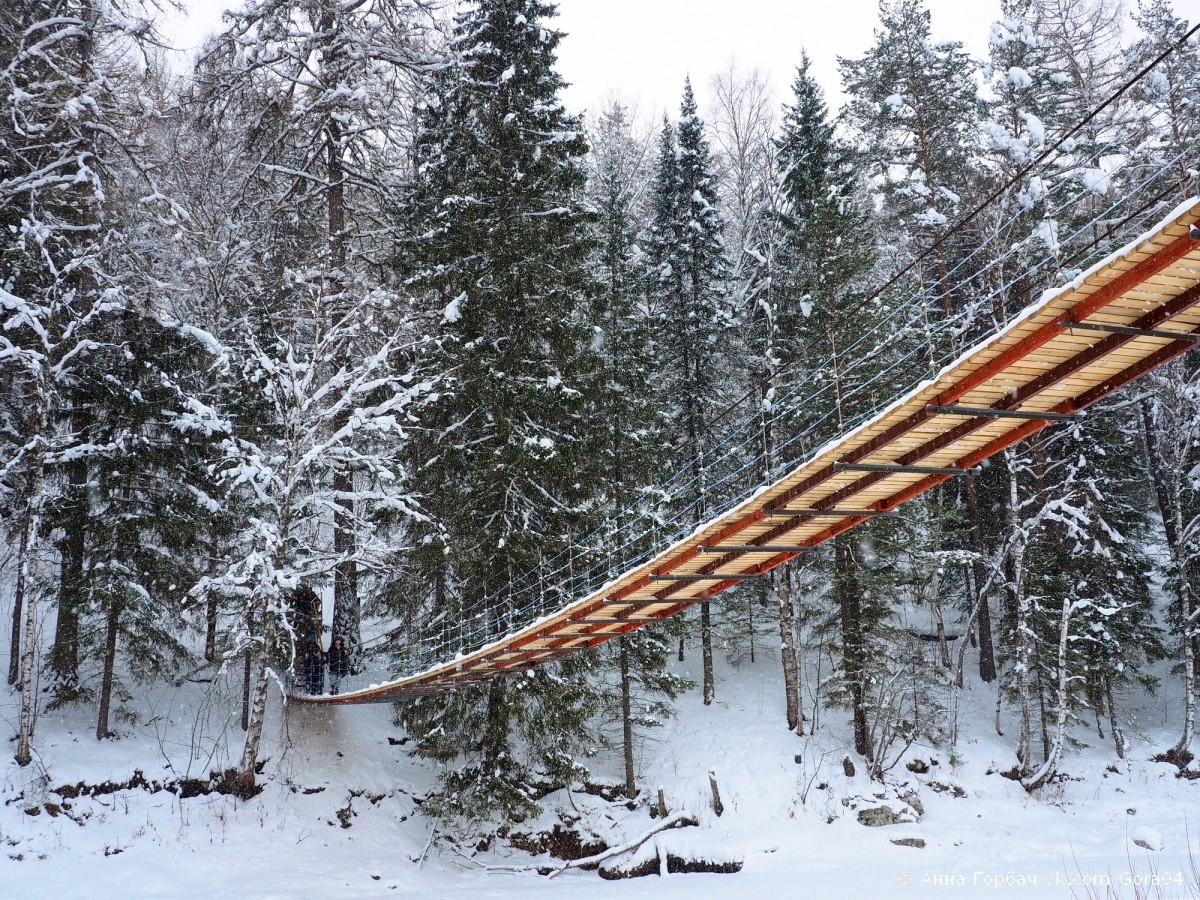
<point x="904" y="336"/>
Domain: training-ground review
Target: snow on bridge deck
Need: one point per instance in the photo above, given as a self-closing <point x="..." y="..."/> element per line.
<point x="1058" y="357"/>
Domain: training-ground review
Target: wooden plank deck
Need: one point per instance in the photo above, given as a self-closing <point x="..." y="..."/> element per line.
<point x="1036" y="363"/>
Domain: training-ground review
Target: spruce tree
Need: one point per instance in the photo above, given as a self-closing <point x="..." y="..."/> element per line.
<point x="498" y="259"/>
<point x="816" y="314"/>
<point x="143" y="388"/>
<point x="629" y="403"/>
<point x="688" y="290"/>
<point x="914" y="104"/>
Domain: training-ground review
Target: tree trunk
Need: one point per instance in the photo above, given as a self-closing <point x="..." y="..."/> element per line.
<point x="1041" y="696"/>
<point x="495" y="736"/>
<point x="258" y="651"/>
<point x="1054" y="751"/>
<point x="987" y="655"/>
<point x="28" y="688"/>
<point x="1024" y="636"/>
<point x="848" y="593"/>
<point x="1118" y="734"/>
<point x="706" y="649"/>
<point x="24" y="754"/>
<point x="210" y="630"/>
<point x="247" y="680"/>
<point x="25" y="585"/>
<point x="627" y="718"/>
<point x="1170" y="507"/>
<point x="750" y="626"/>
<point x="64" y="653"/>
<point x="940" y="622"/>
<point x="347" y="615"/>
<point x="14" y="652"/>
<point x="787" y="654"/>
<point x="110" y="660"/>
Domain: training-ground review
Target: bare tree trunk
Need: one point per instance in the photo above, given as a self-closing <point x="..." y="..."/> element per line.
<point x="940" y="622"/>
<point x="1041" y="696"/>
<point x="258" y="703"/>
<point x="247" y="680"/>
<point x="627" y="718"/>
<point x="987" y="655"/>
<point x="750" y="626"/>
<point x="14" y="652"/>
<point x="24" y="754"/>
<point x="347" y="615"/>
<point x="710" y="690"/>
<point x="787" y="654"/>
<point x="1118" y="733"/>
<point x="848" y="593"/>
<point x="106" y="681"/>
<point x="1054" y="751"/>
<point x="495" y="736"/>
<point x="210" y="630"/>
<point x="25" y="585"/>
<point x="1024" y="635"/>
<point x="1170" y="508"/>
<point x="64" y="653"/>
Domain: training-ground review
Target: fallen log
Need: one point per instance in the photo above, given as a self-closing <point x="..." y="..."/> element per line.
<point x="679" y="820"/>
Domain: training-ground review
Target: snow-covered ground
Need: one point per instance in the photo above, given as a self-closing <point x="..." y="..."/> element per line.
<point x="340" y="813"/>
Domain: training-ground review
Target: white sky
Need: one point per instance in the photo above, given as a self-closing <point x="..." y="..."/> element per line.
<point x="641" y="50"/>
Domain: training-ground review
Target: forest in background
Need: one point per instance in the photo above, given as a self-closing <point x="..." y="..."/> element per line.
<point x="356" y="305"/>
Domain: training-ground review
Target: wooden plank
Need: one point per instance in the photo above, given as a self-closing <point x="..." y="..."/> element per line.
<point x="1035" y="362"/>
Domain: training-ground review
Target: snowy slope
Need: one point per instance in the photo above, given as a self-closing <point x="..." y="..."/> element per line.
<point x="794" y="824"/>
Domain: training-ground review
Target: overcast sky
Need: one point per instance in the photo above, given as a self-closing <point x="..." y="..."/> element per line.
<point x="641" y="50"/>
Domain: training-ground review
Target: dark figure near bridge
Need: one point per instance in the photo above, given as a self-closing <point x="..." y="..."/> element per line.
<point x="306" y="625"/>
<point x="312" y="667"/>
<point x="339" y="664"/>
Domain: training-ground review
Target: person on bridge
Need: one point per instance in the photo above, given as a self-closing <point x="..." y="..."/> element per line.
<point x="339" y="663"/>
<point x="312" y="666"/>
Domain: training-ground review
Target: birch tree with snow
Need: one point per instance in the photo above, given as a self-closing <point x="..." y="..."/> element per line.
<point x="331" y="85"/>
<point x="299" y="412"/>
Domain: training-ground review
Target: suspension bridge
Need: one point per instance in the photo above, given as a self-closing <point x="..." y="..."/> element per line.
<point x="1133" y="311"/>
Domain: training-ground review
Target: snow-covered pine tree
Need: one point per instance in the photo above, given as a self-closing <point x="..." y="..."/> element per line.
<point x="914" y="106"/>
<point x="913" y="103"/>
<point x="148" y="439"/>
<point x="687" y="287"/>
<point x="510" y="467"/>
<point x="821" y="276"/>
<point x="1020" y="243"/>
<point x="619" y="174"/>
